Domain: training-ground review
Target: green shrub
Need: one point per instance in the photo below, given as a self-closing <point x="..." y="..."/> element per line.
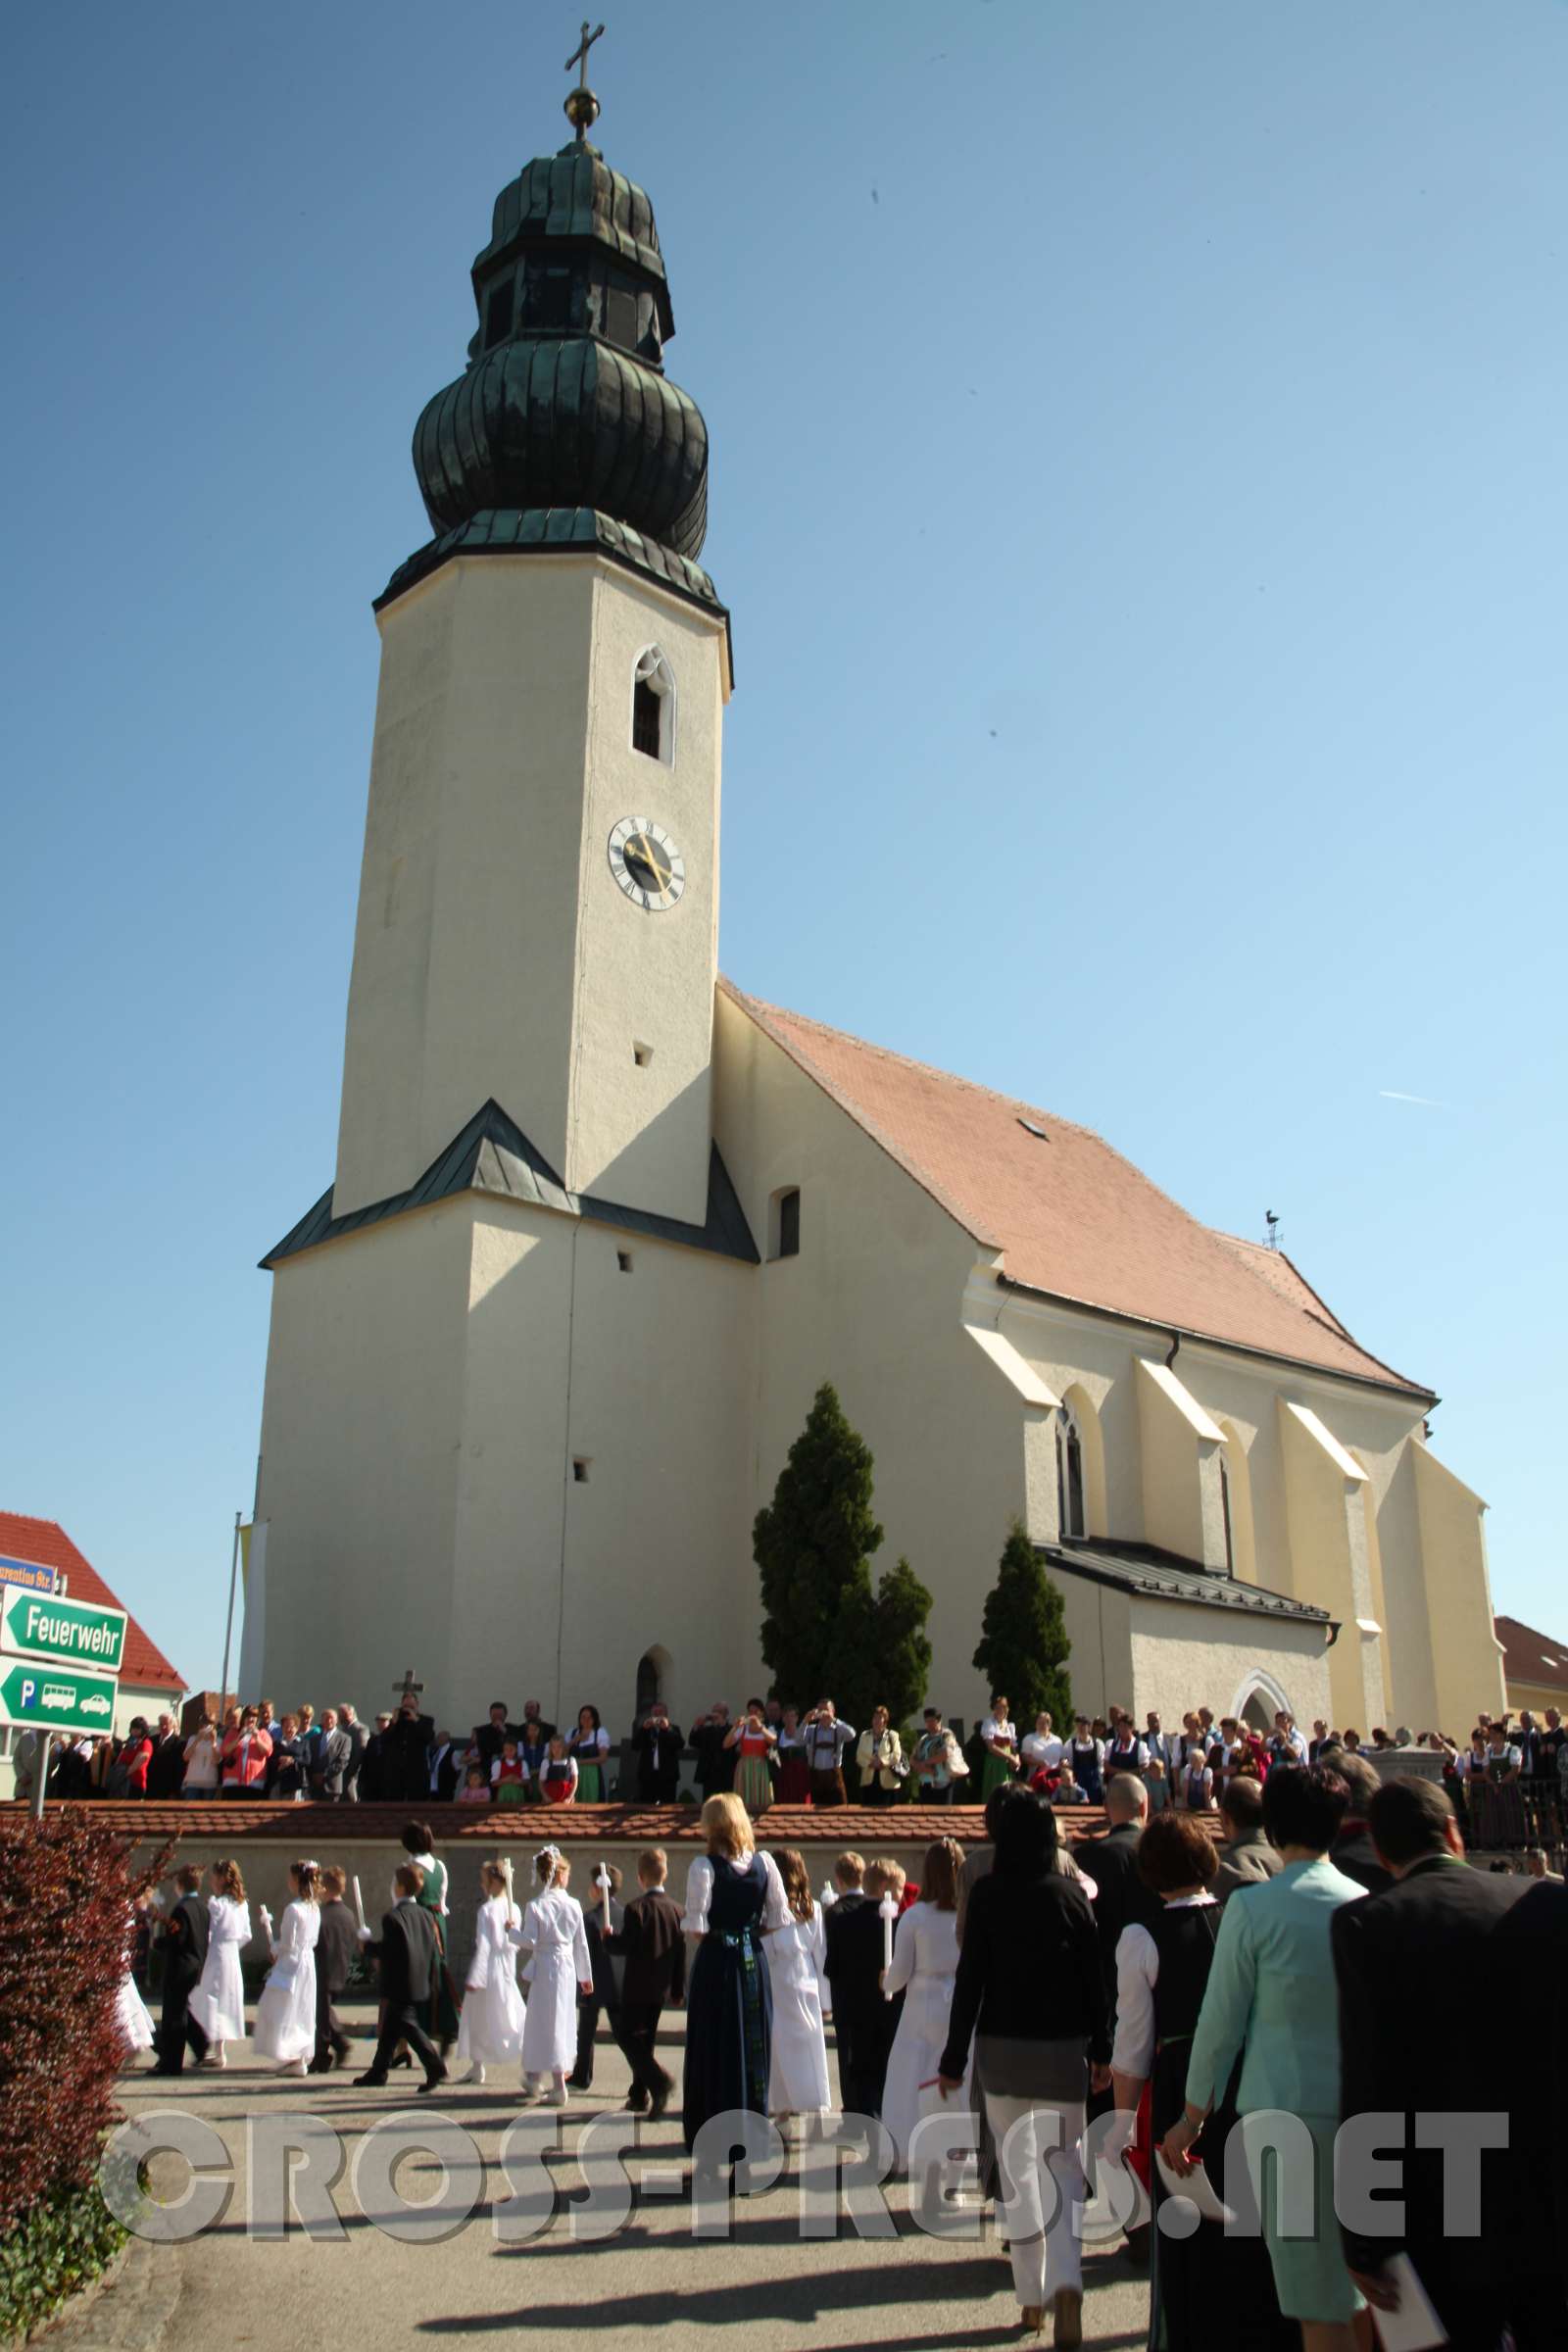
<point x="60" y="2243"/>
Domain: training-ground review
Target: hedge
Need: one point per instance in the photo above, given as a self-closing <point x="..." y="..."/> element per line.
<point x="66" y="1887"/>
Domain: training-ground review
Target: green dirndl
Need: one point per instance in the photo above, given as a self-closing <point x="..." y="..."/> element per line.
<point x="753" y="1784"/>
<point x="995" y="1773"/>
<point x="590" y="1783"/>
<point x="441" y="2009"/>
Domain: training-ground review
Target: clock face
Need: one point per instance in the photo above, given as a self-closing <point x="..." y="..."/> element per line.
<point x="646" y="864"/>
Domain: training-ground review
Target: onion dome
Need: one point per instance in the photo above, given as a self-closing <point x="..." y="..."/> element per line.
<point x="563" y="430"/>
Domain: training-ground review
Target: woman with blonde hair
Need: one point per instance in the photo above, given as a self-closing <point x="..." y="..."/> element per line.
<point x="217" y="2003"/>
<point x="734" y="1897"/>
<point x="490" y="2032"/>
<point x="559" y="1969"/>
<point x="925" y="1961"/>
<point x="797" y="2082"/>
<point x="285" y="2014"/>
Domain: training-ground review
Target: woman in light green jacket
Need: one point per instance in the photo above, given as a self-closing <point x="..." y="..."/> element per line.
<point x="1271" y="2001"/>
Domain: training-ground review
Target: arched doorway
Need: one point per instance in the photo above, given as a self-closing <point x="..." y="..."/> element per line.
<point x="1258" y="1701"/>
<point x="653" y="1680"/>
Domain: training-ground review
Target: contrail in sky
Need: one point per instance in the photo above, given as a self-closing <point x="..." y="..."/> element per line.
<point x="1389" y="1094"/>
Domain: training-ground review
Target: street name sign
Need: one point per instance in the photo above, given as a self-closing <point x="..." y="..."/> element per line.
<point x="68" y="1632"/>
<point x="56" y="1698"/>
<point x="32" y="1573"/>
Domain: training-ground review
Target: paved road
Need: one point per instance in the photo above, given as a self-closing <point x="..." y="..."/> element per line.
<point x="767" y="2283"/>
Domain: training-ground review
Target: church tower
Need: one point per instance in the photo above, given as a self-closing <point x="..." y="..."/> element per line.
<point x="475" y="1461"/>
<point x="539" y="899"/>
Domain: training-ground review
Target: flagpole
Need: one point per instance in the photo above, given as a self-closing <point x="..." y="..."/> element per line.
<point x="229" y="1621"/>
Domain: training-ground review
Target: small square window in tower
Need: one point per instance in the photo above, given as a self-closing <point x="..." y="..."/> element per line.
<point x="786" y="1223"/>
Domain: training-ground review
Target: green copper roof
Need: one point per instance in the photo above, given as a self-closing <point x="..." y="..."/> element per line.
<point x="566" y="529"/>
<point x="565" y="406"/>
<point x="493" y="1156"/>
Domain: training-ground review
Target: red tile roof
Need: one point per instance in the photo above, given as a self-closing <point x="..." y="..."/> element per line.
<point x="1529" y="1656"/>
<point x="45" y="1541"/>
<point x="1070" y="1216"/>
<point x="871" y="1828"/>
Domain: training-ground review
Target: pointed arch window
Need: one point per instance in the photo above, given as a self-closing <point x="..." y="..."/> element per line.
<point x="653" y="707"/>
<point x="1070" y="1474"/>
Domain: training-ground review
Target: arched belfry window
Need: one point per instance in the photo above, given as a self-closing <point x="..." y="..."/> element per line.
<point x="1070" y="1474"/>
<point x="653" y="707"/>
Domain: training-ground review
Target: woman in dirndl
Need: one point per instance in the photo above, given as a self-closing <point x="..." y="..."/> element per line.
<point x="734" y="1897"/>
<point x="754" y="1740"/>
<point x="1161" y="1976"/>
<point x="442" y="2008"/>
<point x="589" y="1745"/>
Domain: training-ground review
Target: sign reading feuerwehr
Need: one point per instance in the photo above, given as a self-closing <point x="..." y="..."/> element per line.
<point x="66" y="1633"/>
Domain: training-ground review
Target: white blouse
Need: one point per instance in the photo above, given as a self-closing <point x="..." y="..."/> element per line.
<point x="1137" y="1973"/>
<point x="991" y="1729"/>
<point x="1043" y="1749"/>
<point x="700" y="1895"/>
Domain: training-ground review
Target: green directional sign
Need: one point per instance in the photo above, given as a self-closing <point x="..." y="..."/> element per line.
<point x="74" y="1633"/>
<point x="56" y="1698"/>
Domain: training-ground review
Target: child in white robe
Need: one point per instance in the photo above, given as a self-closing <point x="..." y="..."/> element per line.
<point x="559" y="1969"/>
<point x="285" y="2014"/>
<point x="136" y="2029"/>
<point x="796" y="2081"/>
<point x="217" y="2003"/>
<point x="490" y="2029"/>
<point x="925" y="1963"/>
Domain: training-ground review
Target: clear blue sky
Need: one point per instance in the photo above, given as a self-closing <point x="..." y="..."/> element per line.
<point x="1139" y="449"/>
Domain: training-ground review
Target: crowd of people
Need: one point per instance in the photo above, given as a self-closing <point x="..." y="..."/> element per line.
<point x="1293" y="1960"/>
<point x="1508" y="1783"/>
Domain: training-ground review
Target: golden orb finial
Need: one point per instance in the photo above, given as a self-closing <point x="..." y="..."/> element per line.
<point x="581" y="105"/>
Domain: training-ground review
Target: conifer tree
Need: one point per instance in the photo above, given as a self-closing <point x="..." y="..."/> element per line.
<point x="902" y="1666"/>
<point x="1023" y="1646"/>
<point x="813" y="1546"/>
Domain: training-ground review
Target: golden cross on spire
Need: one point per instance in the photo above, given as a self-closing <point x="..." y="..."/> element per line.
<point x="582" y="107"/>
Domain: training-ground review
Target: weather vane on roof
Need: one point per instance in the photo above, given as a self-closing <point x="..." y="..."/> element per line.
<point x="582" y="107"/>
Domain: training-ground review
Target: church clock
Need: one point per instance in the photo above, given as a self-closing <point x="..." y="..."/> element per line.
<point x="646" y="864"/>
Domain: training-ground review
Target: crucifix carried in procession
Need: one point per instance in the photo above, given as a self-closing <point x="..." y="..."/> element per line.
<point x="408" y="1688"/>
<point x="581" y="105"/>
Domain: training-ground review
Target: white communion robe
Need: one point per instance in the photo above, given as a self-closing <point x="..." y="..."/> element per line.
<point x="925" y="1962"/>
<point x="796" y="2081"/>
<point x="217" y="2003"/>
<point x="285" y="2014"/>
<point x="490" y="2029"/>
<point x="136" y="2029"/>
<point x="552" y="1932"/>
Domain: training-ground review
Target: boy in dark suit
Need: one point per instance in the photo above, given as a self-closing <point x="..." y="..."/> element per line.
<point x="335" y="1948"/>
<point x="654" y="1947"/>
<point x="185" y="1941"/>
<point x="410" y="1955"/>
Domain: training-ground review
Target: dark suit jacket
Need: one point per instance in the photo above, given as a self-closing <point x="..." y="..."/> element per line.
<point x="446" y="1774"/>
<point x="408" y="1952"/>
<point x="654" y="1948"/>
<point x="854" y="1967"/>
<point x="1425" y="2004"/>
<point x="657" y="1786"/>
<point x="490" y="1739"/>
<point x="1353" y="1852"/>
<point x="185" y="1940"/>
<point x="405" y="1766"/>
<point x="835" y="1921"/>
<point x="1121" y="1901"/>
<point x="335" y="1948"/>
<point x="166" y="1770"/>
<point x="1244" y="1862"/>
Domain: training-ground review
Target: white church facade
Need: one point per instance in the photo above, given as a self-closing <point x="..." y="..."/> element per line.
<point x="600" y="1223"/>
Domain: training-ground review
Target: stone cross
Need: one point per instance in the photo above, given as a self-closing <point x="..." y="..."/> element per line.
<point x="579" y="56"/>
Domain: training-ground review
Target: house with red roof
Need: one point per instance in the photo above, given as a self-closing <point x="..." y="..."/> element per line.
<point x="38" y="1553"/>
<point x="600" y="1223"/>
<point x="1535" y="1667"/>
